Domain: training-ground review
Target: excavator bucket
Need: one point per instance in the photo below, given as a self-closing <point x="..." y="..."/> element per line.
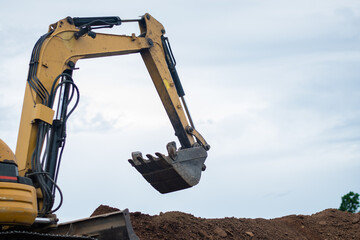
<point x="179" y="170"/>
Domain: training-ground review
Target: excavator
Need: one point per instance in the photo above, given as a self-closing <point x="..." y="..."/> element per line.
<point x="28" y="178"/>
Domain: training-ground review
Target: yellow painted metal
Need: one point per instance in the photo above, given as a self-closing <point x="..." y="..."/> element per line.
<point x="56" y="52"/>
<point x="154" y="59"/>
<point x="18" y="204"/>
<point x="5" y="152"/>
<point x="61" y="47"/>
<point x="43" y="113"/>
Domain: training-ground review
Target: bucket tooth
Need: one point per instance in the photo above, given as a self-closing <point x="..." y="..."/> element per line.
<point x="179" y="170"/>
<point x="150" y="157"/>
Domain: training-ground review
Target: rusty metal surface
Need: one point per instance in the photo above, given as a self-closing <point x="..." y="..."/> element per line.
<point x="111" y="226"/>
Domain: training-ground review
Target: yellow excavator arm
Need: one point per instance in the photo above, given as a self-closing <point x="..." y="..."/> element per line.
<point x="34" y="168"/>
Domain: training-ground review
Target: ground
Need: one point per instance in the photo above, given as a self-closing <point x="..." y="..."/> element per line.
<point x="328" y="224"/>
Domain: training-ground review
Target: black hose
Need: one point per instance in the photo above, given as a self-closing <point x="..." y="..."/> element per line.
<point x="42" y="178"/>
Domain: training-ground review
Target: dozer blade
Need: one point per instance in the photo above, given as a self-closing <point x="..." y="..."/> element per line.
<point x="23" y="235"/>
<point x="180" y="170"/>
<point x="110" y="226"/>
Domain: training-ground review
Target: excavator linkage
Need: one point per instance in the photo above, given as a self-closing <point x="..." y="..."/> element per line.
<point x="179" y="170"/>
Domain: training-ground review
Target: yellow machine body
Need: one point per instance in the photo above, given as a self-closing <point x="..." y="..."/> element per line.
<point x="5" y="152"/>
<point x="17" y="204"/>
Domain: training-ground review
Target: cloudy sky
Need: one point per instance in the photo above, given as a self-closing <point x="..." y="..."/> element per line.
<point x="273" y="86"/>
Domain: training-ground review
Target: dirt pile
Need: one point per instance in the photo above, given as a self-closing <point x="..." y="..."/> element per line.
<point x="328" y="224"/>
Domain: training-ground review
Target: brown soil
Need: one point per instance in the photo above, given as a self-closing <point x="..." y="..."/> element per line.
<point x="328" y="224"/>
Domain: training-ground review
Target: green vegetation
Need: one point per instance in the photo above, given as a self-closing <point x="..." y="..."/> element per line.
<point x="350" y="202"/>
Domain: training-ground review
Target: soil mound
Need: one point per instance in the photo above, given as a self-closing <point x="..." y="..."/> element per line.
<point x="328" y="224"/>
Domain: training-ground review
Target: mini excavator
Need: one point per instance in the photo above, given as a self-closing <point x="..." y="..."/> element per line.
<point x="28" y="178"/>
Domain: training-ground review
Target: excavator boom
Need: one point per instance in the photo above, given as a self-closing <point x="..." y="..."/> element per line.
<point x="42" y="130"/>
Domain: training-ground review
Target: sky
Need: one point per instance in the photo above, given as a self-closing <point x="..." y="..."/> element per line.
<point x="273" y="86"/>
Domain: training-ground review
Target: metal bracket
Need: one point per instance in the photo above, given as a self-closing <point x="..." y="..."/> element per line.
<point x="200" y="139"/>
<point x="43" y="113"/>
